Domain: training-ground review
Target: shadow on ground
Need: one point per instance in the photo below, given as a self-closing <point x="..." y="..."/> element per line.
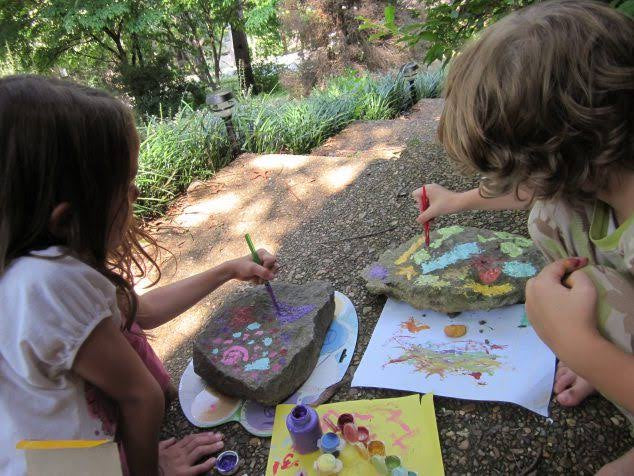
<point x="327" y="218"/>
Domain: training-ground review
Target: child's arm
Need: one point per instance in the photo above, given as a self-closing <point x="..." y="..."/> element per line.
<point x="444" y="202"/>
<point x="107" y="360"/>
<point x="160" y="305"/>
<point x="565" y="319"/>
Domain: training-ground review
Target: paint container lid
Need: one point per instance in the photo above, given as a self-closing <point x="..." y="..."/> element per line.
<point x="363" y="451"/>
<point x="350" y="432"/>
<point x="376" y="447"/>
<point x="343" y="419"/>
<point x="392" y="462"/>
<point x="400" y="471"/>
<point x="379" y="464"/>
<point x="363" y="434"/>
<point x="329" y="442"/>
<point x="227" y="463"/>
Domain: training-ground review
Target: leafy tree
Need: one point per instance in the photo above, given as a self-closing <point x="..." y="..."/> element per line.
<point x="448" y="25"/>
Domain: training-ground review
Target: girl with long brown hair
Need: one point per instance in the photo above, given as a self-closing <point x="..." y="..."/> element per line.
<point x="69" y="255"/>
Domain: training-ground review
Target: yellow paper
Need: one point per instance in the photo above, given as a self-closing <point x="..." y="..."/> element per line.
<point x="406" y="425"/>
<point x="58" y="444"/>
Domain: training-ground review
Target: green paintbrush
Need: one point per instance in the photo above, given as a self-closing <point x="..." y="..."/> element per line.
<point x="269" y="288"/>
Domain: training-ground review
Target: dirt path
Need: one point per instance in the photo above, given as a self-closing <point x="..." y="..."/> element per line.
<point x="327" y="216"/>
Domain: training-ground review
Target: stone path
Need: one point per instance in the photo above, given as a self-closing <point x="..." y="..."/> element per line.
<point x="327" y="216"/>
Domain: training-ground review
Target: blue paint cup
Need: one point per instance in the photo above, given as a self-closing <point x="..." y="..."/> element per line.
<point x="330" y="443"/>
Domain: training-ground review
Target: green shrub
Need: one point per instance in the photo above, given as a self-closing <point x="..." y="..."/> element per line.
<point x="193" y="144"/>
<point x="429" y="85"/>
<point x="175" y="151"/>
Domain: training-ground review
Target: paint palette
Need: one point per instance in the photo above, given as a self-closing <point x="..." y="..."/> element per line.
<point x="207" y="408"/>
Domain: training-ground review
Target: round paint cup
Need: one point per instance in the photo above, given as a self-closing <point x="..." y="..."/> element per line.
<point x="343" y="419"/>
<point x="400" y="471"/>
<point x="363" y="434"/>
<point x="379" y="465"/>
<point x="376" y="448"/>
<point x="327" y="465"/>
<point x="330" y="443"/>
<point x="227" y="463"/>
<point x="392" y="462"/>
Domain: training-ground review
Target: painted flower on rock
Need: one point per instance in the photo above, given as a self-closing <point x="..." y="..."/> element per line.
<point x="233" y="355"/>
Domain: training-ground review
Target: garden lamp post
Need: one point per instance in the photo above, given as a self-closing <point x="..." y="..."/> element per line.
<point x="222" y="104"/>
<point x="409" y="72"/>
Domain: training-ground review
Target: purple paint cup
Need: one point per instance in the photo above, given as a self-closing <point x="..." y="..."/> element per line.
<point x="227" y="463"/>
<point x="303" y="425"/>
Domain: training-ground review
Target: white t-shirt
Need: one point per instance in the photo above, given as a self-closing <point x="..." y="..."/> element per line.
<point x="49" y="305"/>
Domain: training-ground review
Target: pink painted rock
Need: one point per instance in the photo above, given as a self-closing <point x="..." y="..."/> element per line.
<point x="280" y="352"/>
<point x="463" y="269"/>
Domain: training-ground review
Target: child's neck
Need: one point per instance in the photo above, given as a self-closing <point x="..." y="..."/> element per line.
<point x="621" y="197"/>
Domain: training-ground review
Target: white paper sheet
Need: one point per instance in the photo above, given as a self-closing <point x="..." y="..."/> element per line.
<point x="500" y="358"/>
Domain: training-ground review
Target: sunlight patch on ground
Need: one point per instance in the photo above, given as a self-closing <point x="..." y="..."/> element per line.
<point x="279" y="161"/>
<point x="197" y="214"/>
<point x="341" y="177"/>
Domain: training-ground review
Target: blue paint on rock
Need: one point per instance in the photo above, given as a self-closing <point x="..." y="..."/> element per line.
<point x="518" y="269"/>
<point x="260" y="364"/>
<point x="268" y="341"/>
<point x="459" y="253"/>
<point x="237" y="334"/>
<point x="254" y="326"/>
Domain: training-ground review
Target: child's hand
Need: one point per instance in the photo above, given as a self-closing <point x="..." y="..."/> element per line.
<point x="562" y="312"/>
<point x="179" y="457"/>
<point x="245" y="269"/>
<point x="441" y="202"/>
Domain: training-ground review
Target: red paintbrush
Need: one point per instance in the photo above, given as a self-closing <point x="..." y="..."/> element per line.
<point x="424" y="204"/>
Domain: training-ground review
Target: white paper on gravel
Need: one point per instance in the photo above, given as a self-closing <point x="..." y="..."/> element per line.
<point x="500" y="358"/>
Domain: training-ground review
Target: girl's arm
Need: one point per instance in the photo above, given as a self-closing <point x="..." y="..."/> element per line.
<point x="160" y="305"/>
<point x="107" y="361"/>
<point x="565" y="319"/>
<point x="445" y="202"/>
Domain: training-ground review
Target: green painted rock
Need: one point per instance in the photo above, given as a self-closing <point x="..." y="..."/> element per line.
<point x="463" y="269"/>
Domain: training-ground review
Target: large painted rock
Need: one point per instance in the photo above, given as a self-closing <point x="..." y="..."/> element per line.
<point x="463" y="268"/>
<point x="250" y="350"/>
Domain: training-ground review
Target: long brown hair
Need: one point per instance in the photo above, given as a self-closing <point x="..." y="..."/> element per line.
<point x="544" y="100"/>
<point x="63" y="142"/>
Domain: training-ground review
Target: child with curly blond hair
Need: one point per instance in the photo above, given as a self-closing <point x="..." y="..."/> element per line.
<point x="542" y="107"/>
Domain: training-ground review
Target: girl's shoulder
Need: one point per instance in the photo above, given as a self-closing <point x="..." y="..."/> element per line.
<point x="54" y="301"/>
<point x="50" y="269"/>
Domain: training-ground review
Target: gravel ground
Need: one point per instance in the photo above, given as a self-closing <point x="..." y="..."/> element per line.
<point x="333" y="237"/>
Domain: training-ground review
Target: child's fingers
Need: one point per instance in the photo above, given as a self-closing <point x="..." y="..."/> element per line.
<point x="202" y="468"/>
<point x="427" y="215"/>
<point x="580" y="282"/>
<point x="194" y="440"/>
<point x="268" y="260"/>
<point x="166" y="443"/>
<point x="261" y="272"/>
<point x="555" y="271"/>
<point x="417" y="194"/>
<point x="204" y="450"/>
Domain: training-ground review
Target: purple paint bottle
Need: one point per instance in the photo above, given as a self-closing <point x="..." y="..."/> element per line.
<point x="303" y="425"/>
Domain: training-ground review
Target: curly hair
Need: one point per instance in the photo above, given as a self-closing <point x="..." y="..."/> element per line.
<point x="61" y="142"/>
<point x="544" y="100"/>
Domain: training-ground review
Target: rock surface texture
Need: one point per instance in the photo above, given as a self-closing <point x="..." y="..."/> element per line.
<point x="249" y="351"/>
<point x="463" y="268"/>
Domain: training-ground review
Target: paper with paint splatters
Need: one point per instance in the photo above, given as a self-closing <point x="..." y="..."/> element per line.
<point x="406" y="425"/>
<point x="499" y="358"/>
